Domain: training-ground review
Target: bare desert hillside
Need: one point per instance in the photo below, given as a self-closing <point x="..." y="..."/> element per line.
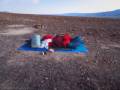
<point x="98" y="70"/>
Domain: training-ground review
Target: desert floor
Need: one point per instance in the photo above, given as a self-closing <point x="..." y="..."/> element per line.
<point x="21" y="70"/>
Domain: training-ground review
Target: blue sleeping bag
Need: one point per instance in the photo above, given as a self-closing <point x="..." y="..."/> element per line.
<point x="76" y="43"/>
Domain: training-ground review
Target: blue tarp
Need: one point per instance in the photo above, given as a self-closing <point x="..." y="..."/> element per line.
<point x="83" y="49"/>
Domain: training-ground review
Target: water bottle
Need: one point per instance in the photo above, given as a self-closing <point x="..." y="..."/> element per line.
<point x="35" y="41"/>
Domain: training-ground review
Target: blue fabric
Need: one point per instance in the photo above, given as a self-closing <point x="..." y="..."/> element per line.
<point x="27" y="47"/>
<point x="76" y="42"/>
<point x="82" y="49"/>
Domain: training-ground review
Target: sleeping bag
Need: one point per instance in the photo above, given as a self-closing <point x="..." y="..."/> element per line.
<point x="57" y="41"/>
<point x="61" y="41"/>
<point x="66" y="40"/>
<point x="75" y="42"/>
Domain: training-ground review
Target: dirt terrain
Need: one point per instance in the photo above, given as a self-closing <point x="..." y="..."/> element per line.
<point x="98" y="70"/>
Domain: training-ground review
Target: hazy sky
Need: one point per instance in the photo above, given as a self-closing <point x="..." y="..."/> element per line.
<point x="58" y="6"/>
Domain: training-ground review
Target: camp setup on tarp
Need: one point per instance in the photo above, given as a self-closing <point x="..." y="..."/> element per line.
<point x="59" y="43"/>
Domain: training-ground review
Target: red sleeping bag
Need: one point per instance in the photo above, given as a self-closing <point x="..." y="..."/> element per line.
<point x="57" y="41"/>
<point x="66" y="40"/>
<point x="61" y="41"/>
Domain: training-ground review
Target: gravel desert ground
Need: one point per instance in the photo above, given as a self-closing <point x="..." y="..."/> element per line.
<point x="98" y="70"/>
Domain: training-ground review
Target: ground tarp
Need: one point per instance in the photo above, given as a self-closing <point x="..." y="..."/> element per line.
<point x="82" y="49"/>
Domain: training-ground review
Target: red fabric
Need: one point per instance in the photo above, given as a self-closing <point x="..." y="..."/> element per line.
<point x="57" y="41"/>
<point x="67" y="38"/>
<point x="50" y="44"/>
<point x="61" y="41"/>
<point x="48" y="36"/>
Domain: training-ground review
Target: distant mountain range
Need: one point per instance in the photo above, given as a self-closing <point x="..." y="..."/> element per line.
<point x="109" y="14"/>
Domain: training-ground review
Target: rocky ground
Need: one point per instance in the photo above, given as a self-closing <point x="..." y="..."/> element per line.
<point x="98" y="70"/>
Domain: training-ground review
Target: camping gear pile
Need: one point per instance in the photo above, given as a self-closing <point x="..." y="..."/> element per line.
<point x="57" y="43"/>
